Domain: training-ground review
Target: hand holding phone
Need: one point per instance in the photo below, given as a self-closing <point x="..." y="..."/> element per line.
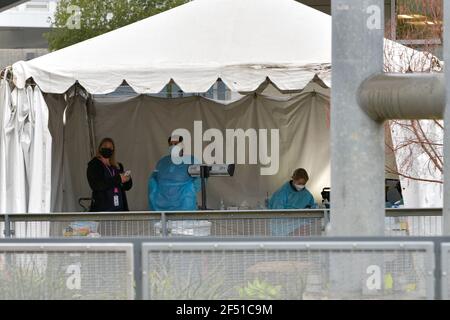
<point x="128" y="173"/>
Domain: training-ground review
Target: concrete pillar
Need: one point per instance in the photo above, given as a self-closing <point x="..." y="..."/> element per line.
<point x="357" y="141"/>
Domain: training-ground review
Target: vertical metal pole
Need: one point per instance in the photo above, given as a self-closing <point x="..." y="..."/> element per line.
<point x="446" y="211"/>
<point x="326" y="217"/>
<point x="164" y="224"/>
<point x="137" y="248"/>
<point x="90" y="114"/>
<point x="393" y="20"/>
<point x="7" y="231"/>
<point x="203" y="175"/>
<point x="357" y="141"/>
<point x="437" y="270"/>
<point x="204" y="205"/>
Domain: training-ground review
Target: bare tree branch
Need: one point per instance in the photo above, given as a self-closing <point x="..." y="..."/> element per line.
<point x="388" y="170"/>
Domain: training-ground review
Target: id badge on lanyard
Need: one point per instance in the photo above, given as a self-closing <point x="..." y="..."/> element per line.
<point x="116" y="197"/>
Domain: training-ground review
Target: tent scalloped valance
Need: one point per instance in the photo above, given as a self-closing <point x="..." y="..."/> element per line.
<point x="237" y="78"/>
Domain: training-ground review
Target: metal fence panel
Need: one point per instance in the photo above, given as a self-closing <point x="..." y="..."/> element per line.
<point x="219" y="227"/>
<point x="79" y="225"/>
<point x="413" y="225"/>
<point x="287" y="270"/>
<point x="60" y="271"/>
<point x="445" y="279"/>
<point x="223" y="224"/>
<point x="184" y="224"/>
<point x="236" y="226"/>
<point x="3" y="229"/>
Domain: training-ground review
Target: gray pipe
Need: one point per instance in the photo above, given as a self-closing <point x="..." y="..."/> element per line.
<point x="403" y="96"/>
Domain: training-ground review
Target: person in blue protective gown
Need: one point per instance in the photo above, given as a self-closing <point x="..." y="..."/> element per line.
<point x="170" y="187"/>
<point x="292" y="195"/>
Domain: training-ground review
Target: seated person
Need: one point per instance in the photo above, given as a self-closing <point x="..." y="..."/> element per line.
<point x="292" y="195"/>
<point x="170" y="187"/>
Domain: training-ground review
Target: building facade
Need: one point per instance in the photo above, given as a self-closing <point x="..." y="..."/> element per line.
<point x="414" y="23"/>
<point x="22" y="30"/>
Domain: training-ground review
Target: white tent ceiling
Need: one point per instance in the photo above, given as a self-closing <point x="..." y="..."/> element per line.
<point x="241" y="42"/>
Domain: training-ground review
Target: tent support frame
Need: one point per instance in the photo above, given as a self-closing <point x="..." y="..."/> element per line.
<point x="90" y="114"/>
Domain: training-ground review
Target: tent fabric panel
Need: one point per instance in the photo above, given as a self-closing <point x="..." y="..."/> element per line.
<point x="70" y="152"/>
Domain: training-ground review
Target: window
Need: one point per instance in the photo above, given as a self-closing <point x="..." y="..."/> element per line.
<point x="417" y="24"/>
<point x="37" y="6"/>
<point x="417" y="21"/>
<point x="30" y="56"/>
<point x="219" y="91"/>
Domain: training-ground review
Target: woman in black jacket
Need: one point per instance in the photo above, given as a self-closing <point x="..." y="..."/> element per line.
<point x="107" y="180"/>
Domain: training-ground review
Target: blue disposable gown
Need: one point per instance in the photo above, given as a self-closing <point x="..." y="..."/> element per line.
<point x="171" y="188"/>
<point x="287" y="197"/>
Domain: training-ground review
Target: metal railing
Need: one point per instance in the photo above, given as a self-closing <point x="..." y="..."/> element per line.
<point x="49" y="271"/>
<point x="252" y="223"/>
<point x="224" y="224"/>
<point x="445" y="258"/>
<point x="413" y="222"/>
<point x="222" y="269"/>
<point x="292" y="271"/>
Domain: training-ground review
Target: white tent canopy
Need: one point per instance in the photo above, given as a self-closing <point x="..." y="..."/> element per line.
<point x="240" y="42"/>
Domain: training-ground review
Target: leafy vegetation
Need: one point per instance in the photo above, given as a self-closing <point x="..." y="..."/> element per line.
<point x="79" y="20"/>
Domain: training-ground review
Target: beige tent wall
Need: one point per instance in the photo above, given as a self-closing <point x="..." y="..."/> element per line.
<point x="70" y="152"/>
<point x="140" y="126"/>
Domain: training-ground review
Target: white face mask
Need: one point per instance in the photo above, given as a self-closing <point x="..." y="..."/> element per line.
<point x="299" y="187"/>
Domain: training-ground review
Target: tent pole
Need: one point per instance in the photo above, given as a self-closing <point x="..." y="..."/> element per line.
<point x="204" y="174"/>
<point x="90" y="112"/>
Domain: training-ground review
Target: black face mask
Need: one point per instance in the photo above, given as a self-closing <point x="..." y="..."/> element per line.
<point x="106" y="153"/>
